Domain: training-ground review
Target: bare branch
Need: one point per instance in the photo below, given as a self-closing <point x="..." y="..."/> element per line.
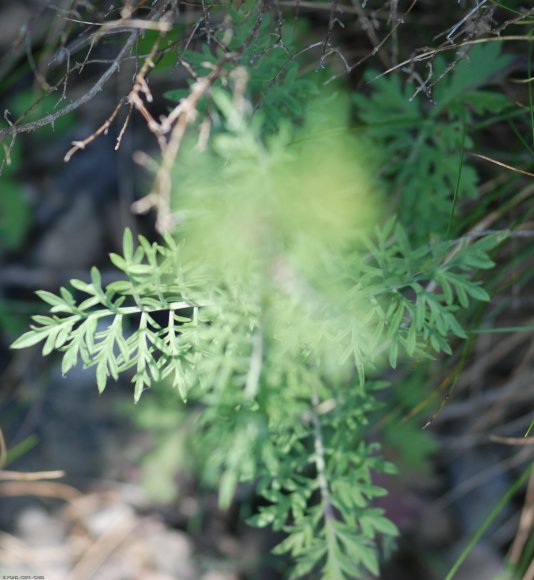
<point x="103" y="129"/>
<point x="72" y="106"/>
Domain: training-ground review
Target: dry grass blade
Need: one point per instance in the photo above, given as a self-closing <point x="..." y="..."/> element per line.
<point x="512" y="440"/>
<point x="160" y="26"/>
<point x="428" y="54"/>
<point x="3" y="450"/>
<point x="526" y="523"/>
<point x="32" y="476"/>
<point x="501" y="164"/>
<point x="40" y="489"/>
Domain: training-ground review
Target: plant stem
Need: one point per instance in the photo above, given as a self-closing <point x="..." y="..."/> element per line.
<point x="320" y="463"/>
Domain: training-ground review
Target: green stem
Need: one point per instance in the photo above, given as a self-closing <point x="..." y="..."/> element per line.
<point x="487" y="522"/>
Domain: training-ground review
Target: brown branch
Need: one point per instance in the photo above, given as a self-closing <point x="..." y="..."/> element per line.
<point x="175" y="124"/>
<point x="512" y="440"/>
<point x="325" y="6"/>
<point x="369" y="29"/>
<point x="3" y="450"/>
<point x="380" y="45"/>
<point x="123" y="128"/>
<point x="137" y="23"/>
<point x="332" y="19"/>
<point x="159" y="197"/>
<point x="501" y="164"/>
<point x="141" y="87"/>
<point x="39" y="488"/>
<point x="432" y="52"/>
<point x="72" y="106"/>
<point x="30" y="476"/>
<point x="103" y="129"/>
<point x="14" y="129"/>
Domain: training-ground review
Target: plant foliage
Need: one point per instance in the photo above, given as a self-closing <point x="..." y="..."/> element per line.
<point x="276" y="305"/>
<point x="422" y="133"/>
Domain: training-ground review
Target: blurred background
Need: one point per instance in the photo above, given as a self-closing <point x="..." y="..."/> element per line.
<point x="92" y="487"/>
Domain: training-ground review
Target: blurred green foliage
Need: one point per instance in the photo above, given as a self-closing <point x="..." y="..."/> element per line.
<point x="15" y="213"/>
<point x="421" y="136"/>
<point x="280" y="298"/>
<point x="309" y="260"/>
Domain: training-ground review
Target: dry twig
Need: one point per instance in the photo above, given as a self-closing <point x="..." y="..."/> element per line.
<point x="40" y="489"/>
